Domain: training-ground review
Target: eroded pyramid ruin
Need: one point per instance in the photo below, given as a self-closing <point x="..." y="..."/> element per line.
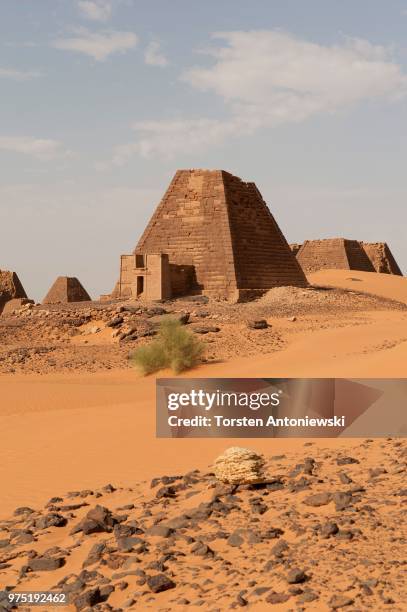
<point x="10" y="288"/>
<point x="333" y="253"/>
<point x="66" y="289"/>
<point x="212" y="233"/>
<point x="381" y="257"/>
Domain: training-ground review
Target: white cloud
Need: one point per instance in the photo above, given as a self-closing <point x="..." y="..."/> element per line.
<point x="18" y="75"/>
<point x="98" y="45"/>
<point x="39" y="148"/>
<point x="292" y="79"/>
<point x="268" y="78"/>
<point x="96" y="10"/>
<point x="154" y="56"/>
<point x="169" y="138"/>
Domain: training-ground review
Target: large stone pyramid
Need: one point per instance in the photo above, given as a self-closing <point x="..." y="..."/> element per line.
<point x="220" y="228"/>
<point x="333" y="253"/>
<point x="381" y="257"/>
<point x="10" y="288"/>
<point x="66" y="289"/>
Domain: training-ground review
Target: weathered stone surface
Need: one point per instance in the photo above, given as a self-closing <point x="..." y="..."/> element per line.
<point x="239" y="466"/>
<point x="10" y="287"/>
<point x="333" y="253"/>
<point x="159" y="583"/>
<point x="45" y="564"/>
<point x="319" y="499"/>
<point x="220" y="238"/>
<point x="381" y="257"/>
<point x="257" y="324"/>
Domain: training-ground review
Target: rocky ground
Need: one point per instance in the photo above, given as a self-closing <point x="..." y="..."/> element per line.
<point x="326" y="532"/>
<point x="94" y="336"/>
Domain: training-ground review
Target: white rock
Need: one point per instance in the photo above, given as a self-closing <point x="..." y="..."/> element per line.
<point x="240" y="466"/>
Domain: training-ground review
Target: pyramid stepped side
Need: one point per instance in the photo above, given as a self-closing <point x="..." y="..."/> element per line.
<point x="357" y="257"/>
<point x="65" y="290"/>
<point x="215" y="222"/>
<point x="263" y="258"/>
<point x="381" y="257"/>
<point x="10" y="287"/>
<point x="317" y="255"/>
<point x="191" y="225"/>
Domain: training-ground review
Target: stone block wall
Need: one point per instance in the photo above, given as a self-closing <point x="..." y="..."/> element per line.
<point x="333" y="253"/>
<point x="220" y="226"/>
<point x="381" y="257"/>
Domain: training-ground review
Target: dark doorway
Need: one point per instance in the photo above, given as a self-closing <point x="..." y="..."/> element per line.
<point x="140" y="285"/>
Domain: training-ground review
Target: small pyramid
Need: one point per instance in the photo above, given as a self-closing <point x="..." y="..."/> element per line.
<point x="220" y="228"/>
<point x="10" y="287"/>
<point x="381" y="257"/>
<point x="333" y="253"/>
<point x="66" y="289"/>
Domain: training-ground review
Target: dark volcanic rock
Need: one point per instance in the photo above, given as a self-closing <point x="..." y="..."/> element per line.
<point x="23" y="510"/>
<point x="160" y="582"/>
<point x="45" y="564"/>
<point x="92" y="597"/>
<point x="99" y="519"/>
<point x="53" y="519"/>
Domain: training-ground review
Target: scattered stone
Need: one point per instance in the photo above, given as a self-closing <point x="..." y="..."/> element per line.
<point x="340" y="601"/>
<point x="159" y="583"/>
<point x="201" y="329"/>
<point x="23" y="510"/>
<point x="276" y="598"/>
<point x="45" y="564"/>
<point x="346" y="460"/>
<point x="318" y="499"/>
<point x="330" y="528"/>
<point x="257" y="324"/>
<point x="52" y="519"/>
<point x="296" y="576"/>
<point x="342" y="500"/>
<point x="161" y="531"/>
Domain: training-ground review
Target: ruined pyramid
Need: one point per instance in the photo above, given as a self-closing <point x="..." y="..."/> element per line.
<point x="381" y="257"/>
<point x="220" y="239"/>
<point x="66" y="289"/>
<point x="10" y="288"/>
<point x="332" y="253"/>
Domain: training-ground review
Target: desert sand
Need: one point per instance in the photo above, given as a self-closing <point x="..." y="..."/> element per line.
<point x="324" y="533"/>
<point x="67" y="425"/>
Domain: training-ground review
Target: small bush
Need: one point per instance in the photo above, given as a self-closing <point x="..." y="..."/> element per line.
<point x="174" y="347"/>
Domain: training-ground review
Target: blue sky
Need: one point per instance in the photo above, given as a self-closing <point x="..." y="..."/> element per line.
<point x="102" y="100"/>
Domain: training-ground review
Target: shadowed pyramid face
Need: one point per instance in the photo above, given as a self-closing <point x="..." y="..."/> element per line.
<point x="381" y="257"/>
<point x="219" y="225"/>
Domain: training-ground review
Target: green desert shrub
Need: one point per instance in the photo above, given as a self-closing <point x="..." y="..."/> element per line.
<point x="174" y="347"/>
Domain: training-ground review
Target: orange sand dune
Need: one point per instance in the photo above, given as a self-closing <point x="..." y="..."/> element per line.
<point x="62" y="432"/>
<point x="385" y="285"/>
